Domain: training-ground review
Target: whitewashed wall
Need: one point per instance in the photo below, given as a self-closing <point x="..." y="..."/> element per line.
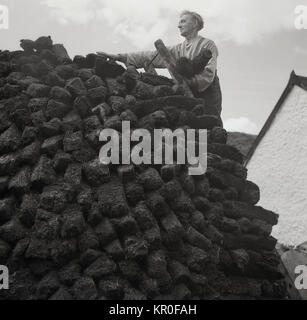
<point x="279" y="168"/>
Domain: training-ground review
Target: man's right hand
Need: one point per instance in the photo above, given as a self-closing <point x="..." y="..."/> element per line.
<point x="116" y="57"/>
<point x="106" y="55"/>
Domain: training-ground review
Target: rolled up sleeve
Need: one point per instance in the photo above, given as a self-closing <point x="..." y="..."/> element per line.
<point x="203" y="80"/>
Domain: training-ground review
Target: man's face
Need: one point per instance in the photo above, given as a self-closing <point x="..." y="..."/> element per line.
<point x="186" y="25"/>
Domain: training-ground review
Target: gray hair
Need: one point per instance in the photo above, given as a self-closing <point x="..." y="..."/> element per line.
<point x="197" y="17"/>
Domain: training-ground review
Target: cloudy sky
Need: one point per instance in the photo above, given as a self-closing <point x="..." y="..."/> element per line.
<point x="258" y="43"/>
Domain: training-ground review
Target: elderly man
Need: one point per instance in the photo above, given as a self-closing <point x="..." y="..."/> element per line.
<point x="204" y="84"/>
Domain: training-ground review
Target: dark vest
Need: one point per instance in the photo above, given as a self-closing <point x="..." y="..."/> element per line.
<point x="212" y="95"/>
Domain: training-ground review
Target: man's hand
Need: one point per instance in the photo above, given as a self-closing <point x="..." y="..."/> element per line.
<point x="107" y="55"/>
<point x="116" y="57"/>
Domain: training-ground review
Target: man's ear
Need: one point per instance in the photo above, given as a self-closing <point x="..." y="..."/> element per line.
<point x="195" y="23"/>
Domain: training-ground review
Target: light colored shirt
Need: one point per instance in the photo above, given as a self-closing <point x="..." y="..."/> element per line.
<point x="189" y="49"/>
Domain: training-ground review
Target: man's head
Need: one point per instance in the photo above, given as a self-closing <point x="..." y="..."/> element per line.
<point x="190" y="23"/>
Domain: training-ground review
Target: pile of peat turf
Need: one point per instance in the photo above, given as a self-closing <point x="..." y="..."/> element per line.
<point x="73" y="228"/>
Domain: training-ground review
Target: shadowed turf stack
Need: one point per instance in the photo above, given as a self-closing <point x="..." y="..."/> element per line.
<point x="72" y="228"/>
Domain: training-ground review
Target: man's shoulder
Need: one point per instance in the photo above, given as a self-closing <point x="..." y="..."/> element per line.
<point x="207" y="41"/>
<point x="209" y="44"/>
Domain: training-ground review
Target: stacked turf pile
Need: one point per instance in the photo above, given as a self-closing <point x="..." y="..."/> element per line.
<point x="73" y="228"/>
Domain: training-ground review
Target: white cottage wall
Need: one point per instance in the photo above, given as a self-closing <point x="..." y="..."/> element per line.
<point x="279" y="167"/>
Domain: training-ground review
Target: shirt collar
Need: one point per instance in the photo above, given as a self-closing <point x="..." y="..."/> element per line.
<point x="190" y="42"/>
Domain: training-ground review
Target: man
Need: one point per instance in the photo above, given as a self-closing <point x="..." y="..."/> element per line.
<point x="204" y="84"/>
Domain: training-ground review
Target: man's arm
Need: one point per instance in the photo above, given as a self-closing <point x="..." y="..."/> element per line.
<point x="202" y="81"/>
<point x="137" y="59"/>
<point x="142" y="58"/>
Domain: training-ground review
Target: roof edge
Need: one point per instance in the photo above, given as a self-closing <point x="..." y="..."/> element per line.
<point x="294" y="80"/>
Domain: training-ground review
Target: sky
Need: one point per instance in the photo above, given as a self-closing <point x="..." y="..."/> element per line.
<point x="258" y="42"/>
